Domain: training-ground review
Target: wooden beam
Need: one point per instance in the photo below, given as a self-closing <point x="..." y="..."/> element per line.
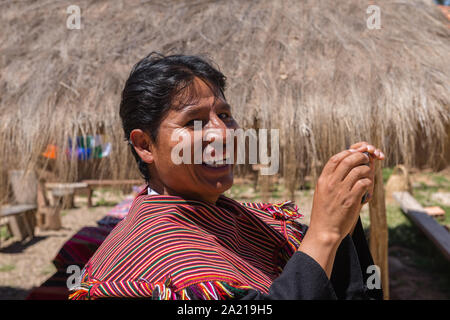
<point x="379" y="230"/>
<point x="102" y="183"/>
<point x="16" y="209"/>
<point x="91" y="184"/>
<point x="431" y="228"/>
<point x="65" y="185"/>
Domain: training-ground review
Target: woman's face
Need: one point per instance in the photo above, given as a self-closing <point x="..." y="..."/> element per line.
<point x="174" y="169"/>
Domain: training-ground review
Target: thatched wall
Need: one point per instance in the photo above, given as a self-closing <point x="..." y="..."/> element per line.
<point x="310" y="68"/>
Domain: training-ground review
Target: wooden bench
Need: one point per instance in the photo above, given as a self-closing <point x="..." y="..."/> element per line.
<point x="92" y="184"/>
<point x="48" y="215"/>
<point x="63" y="192"/>
<point x="21" y="220"/>
<point x="417" y="214"/>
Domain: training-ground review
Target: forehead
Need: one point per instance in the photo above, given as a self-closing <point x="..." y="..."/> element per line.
<point x="197" y="93"/>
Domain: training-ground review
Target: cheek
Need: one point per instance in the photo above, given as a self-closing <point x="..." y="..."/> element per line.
<point x="176" y="152"/>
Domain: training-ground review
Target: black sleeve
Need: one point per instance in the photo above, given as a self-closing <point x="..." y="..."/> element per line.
<point x="304" y="279"/>
<point x="350" y="274"/>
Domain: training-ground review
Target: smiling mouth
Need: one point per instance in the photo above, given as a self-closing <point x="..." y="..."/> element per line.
<point x="216" y="164"/>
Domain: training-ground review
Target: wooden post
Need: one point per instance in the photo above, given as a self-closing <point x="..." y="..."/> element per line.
<point x="18" y="227"/>
<point x="264" y="181"/>
<point x="53" y="219"/>
<point x="89" y="199"/>
<point x="379" y="229"/>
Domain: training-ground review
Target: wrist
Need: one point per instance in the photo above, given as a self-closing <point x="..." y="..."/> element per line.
<point x="322" y="247"/>
<point x="324" y="238"/>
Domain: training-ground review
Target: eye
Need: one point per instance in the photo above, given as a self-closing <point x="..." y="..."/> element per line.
<point x="224" y="116"/>
<point x="191" y="123"/>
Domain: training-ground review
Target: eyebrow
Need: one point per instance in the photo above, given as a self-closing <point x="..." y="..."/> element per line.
<point x="190" y="110"/>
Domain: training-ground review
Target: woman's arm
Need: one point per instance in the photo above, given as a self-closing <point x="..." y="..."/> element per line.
<point x="346" y="177"/>
<point x="304" y="279"/>
<point x="322" y="248"/>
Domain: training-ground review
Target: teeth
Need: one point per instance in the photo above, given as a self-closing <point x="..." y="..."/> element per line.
<point x="216" y="165"/>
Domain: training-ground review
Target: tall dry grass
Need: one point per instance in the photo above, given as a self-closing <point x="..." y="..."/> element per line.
<point x="309" y="68"/>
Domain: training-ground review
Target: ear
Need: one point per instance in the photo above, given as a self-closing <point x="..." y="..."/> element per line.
<point x="142" y="144"/>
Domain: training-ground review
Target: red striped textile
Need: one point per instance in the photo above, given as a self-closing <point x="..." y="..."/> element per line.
<point x="80" y="248"/>
<point x="171" y="248"/>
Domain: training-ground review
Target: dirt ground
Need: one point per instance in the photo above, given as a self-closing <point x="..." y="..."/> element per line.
<point x="28" y="265"/>
<point x="24" y="266"/>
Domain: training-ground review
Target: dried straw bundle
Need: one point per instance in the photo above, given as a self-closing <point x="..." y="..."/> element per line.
<point x="309" y="68"/>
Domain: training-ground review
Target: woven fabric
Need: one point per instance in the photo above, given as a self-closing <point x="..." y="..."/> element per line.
<point x="120" y="210"/>
<point x="171" y="248"/>
<point x="80" y="248"/>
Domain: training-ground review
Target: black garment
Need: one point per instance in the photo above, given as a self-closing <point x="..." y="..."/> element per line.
<point x="304" y="279"/>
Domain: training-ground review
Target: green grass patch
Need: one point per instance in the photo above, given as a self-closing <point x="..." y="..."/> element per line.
<point x="4" y="232"/>
<point x="423" y="194"/>
<point x="105" y="203"/>
<point x="307" y="185"/>
<point x="386" y="172"/>
<point x="440" y="180"/>
<point x="7" y="267"/>
<point x="48" y="269"/>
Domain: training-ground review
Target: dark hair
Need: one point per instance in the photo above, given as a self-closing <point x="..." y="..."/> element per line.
<point x="151" y="87"/>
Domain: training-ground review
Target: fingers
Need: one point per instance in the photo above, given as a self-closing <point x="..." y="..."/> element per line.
<point x="360" y="187"/>
<point x="356" y="174"/>
<point x="364" y="146"/>
<point x="334" y="161"/>
<point x="348" y="164"/>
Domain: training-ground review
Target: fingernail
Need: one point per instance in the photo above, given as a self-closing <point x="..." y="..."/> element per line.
<point x="377" y="153"/>
<point x="382" y="155"/>
<point x="370" y="148"/>
<point x="352" y="150"/>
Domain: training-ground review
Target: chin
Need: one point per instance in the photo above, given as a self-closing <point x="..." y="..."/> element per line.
<point x="225" y="187"/>
<point x="222" y="185"/>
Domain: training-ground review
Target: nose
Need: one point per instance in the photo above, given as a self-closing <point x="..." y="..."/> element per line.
<point x="216" y="134"/>
<point x="215" y="129"/>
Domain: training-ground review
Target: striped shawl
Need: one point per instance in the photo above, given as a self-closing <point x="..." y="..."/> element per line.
<point x="171" y="248"/>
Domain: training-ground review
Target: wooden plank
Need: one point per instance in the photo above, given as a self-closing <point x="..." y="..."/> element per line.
<point x="417" y="214"/>
<point x="91" y="184"/>
<point x="62" y="191"/>
<point x="112" y="182"/>
<point x="64" y="185"/>
<point x="17" y="209"/>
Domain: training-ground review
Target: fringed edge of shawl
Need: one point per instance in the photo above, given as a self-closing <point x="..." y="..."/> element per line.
<point x="207" y="290"/>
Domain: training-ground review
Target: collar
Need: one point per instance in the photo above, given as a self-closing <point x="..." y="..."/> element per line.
<point x="151" y="192"/>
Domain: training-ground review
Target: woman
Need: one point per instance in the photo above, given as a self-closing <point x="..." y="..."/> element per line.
<point x="183" y="239"/>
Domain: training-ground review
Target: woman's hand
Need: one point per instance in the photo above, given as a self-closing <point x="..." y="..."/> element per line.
<point x="337" y="201"/>
<point x="339" y="190"/>
<point x="375" y="154"/>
